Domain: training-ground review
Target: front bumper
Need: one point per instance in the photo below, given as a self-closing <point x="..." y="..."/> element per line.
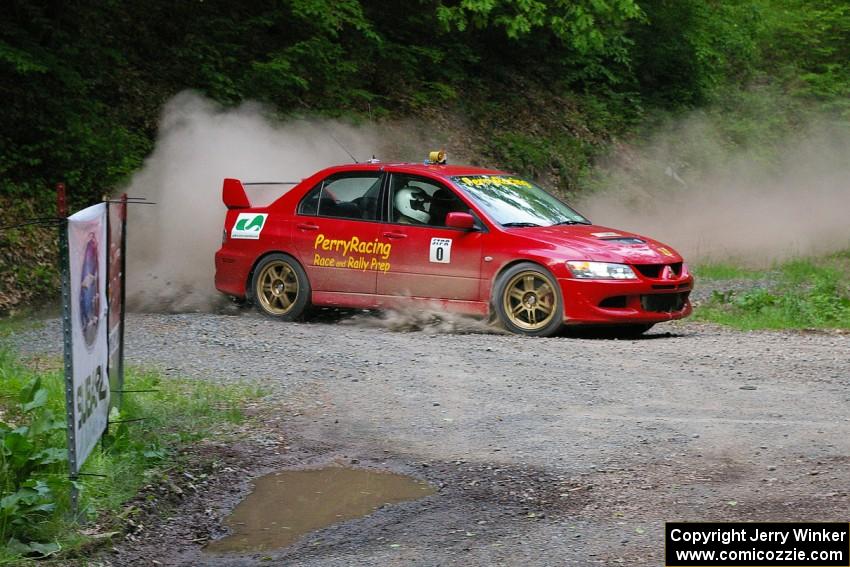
<point x="626" y="301"/>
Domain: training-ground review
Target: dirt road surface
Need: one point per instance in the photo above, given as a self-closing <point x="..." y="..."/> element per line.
<point x="558" y="451"/>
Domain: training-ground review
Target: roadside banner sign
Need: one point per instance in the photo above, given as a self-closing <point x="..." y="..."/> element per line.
<point x="117" y="224"/>
<point x="86" y="350"/>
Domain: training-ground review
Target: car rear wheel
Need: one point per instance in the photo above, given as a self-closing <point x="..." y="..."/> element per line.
<point x="528" y="300"/>
<point x="280" y="287"/>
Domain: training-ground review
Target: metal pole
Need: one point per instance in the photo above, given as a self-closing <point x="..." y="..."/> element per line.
<point x="61" y="201"/>
<point x="123" y="297"/>
<point x="64" y="263"/>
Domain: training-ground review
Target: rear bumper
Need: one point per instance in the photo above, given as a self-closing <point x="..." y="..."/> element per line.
<point x="231" y="272"/>
<point x="632" y="301"/>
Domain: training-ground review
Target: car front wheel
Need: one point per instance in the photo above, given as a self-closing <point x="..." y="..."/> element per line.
<point x="280" y="287"/>
<point x="528" y="300"/>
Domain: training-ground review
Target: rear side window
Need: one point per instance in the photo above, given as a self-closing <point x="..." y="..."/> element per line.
<point x="348" y="196"/>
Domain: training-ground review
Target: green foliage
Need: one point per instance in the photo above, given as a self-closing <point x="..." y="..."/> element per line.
<point x="81" y="101"/>
<point x="689" y="52"/>
<point x="30" y="452"/>
<point x="806" y="44"/>
<point x="808" y="295"/>
<point x="586" y="25"/>
<point x="34" y="509"/>
<point x="318" y="63"/>
<point x="58" y="122"/>
<point x="687" y="49"/>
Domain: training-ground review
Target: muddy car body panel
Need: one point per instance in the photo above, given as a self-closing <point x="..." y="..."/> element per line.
<point x="347" y="227"/>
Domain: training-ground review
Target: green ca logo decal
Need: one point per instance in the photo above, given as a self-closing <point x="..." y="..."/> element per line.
<point x="248" y="225"/>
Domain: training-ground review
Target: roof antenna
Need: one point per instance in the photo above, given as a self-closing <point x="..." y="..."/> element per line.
<point x="354" y="159"/>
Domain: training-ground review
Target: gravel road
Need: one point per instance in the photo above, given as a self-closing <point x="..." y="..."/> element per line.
<point x="544" y="451"/>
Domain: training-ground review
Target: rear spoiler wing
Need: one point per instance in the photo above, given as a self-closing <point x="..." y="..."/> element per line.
<point x="233" y="192"/>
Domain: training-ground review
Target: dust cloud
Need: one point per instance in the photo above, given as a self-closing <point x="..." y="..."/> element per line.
<point x="689" y="186"/>
<point x="713" y="200"/>
<point x="171" y="245"/>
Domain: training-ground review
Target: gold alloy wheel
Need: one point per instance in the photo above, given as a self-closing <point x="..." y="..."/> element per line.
<point x="529" y="301"/>
<point x="277" y="287"/>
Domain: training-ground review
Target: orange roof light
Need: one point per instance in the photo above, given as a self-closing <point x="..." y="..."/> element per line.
<point x="437" y="158"/>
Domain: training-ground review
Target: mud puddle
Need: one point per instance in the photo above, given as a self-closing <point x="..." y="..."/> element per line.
<point x="288" y="504"/>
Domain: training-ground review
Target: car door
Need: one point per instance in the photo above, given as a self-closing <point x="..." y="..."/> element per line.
<point x="428" y="259"/>
<point x="336" y="233"/>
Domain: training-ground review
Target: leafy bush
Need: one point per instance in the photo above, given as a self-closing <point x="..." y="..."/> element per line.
<point x="35" y="515"/>
<point x="31" y="457"/>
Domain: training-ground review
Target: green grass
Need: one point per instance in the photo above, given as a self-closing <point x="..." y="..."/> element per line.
<point x="16" y="324"/>
<point x="177" y="414"/>
<point x="809" y="293"/>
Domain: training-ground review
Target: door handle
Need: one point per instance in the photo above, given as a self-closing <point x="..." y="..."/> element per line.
<point x="394" y="235"/>
<point x="308" y="226"/>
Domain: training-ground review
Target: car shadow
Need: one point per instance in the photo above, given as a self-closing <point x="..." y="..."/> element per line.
<point x="333" y="315"/>
<point x="613" y="334"/>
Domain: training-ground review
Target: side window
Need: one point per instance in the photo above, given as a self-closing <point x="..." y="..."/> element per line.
<point x="416" y="200"/>
<point x="348" y="196"/>
<point x="309" y="205"/>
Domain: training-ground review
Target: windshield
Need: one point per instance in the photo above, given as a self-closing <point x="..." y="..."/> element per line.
<point x="511" y="201"/>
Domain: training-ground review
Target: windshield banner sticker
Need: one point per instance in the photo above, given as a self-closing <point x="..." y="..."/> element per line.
<point x="356" y="254"/>
<point x="493" y="180"/>
<point x="441" y="250"/>
<point x="248" y="225"/>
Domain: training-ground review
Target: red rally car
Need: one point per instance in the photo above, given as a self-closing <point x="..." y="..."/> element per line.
<point x="464" y="239"/>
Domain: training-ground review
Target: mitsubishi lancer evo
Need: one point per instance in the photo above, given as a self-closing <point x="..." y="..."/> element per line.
<point x="430" y="235"/>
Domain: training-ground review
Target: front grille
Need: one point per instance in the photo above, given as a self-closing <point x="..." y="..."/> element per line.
<point x="654" y="270"/>
<point x="649" y="270"/>
<point x="664" y="302"/>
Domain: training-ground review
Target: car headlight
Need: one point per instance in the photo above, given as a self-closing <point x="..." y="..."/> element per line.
<point x="600" y="271"/>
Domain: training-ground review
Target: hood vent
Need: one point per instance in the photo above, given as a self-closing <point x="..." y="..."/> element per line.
<point x="625" y="240"/>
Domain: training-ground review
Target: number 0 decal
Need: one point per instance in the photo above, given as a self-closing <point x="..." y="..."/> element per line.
<point x="441" y="250"/>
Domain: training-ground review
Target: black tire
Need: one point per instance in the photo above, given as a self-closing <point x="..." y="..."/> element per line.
<point x="520" y="304"/>
<point x="280" y="288"/>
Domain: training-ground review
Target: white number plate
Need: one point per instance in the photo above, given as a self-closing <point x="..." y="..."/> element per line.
<point x="441" y="250"/>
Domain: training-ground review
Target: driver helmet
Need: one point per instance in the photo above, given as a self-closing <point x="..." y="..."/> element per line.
<point x="412" y="202"/>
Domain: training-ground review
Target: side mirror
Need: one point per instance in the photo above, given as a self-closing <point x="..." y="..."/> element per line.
<point x="463" y="221"/>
